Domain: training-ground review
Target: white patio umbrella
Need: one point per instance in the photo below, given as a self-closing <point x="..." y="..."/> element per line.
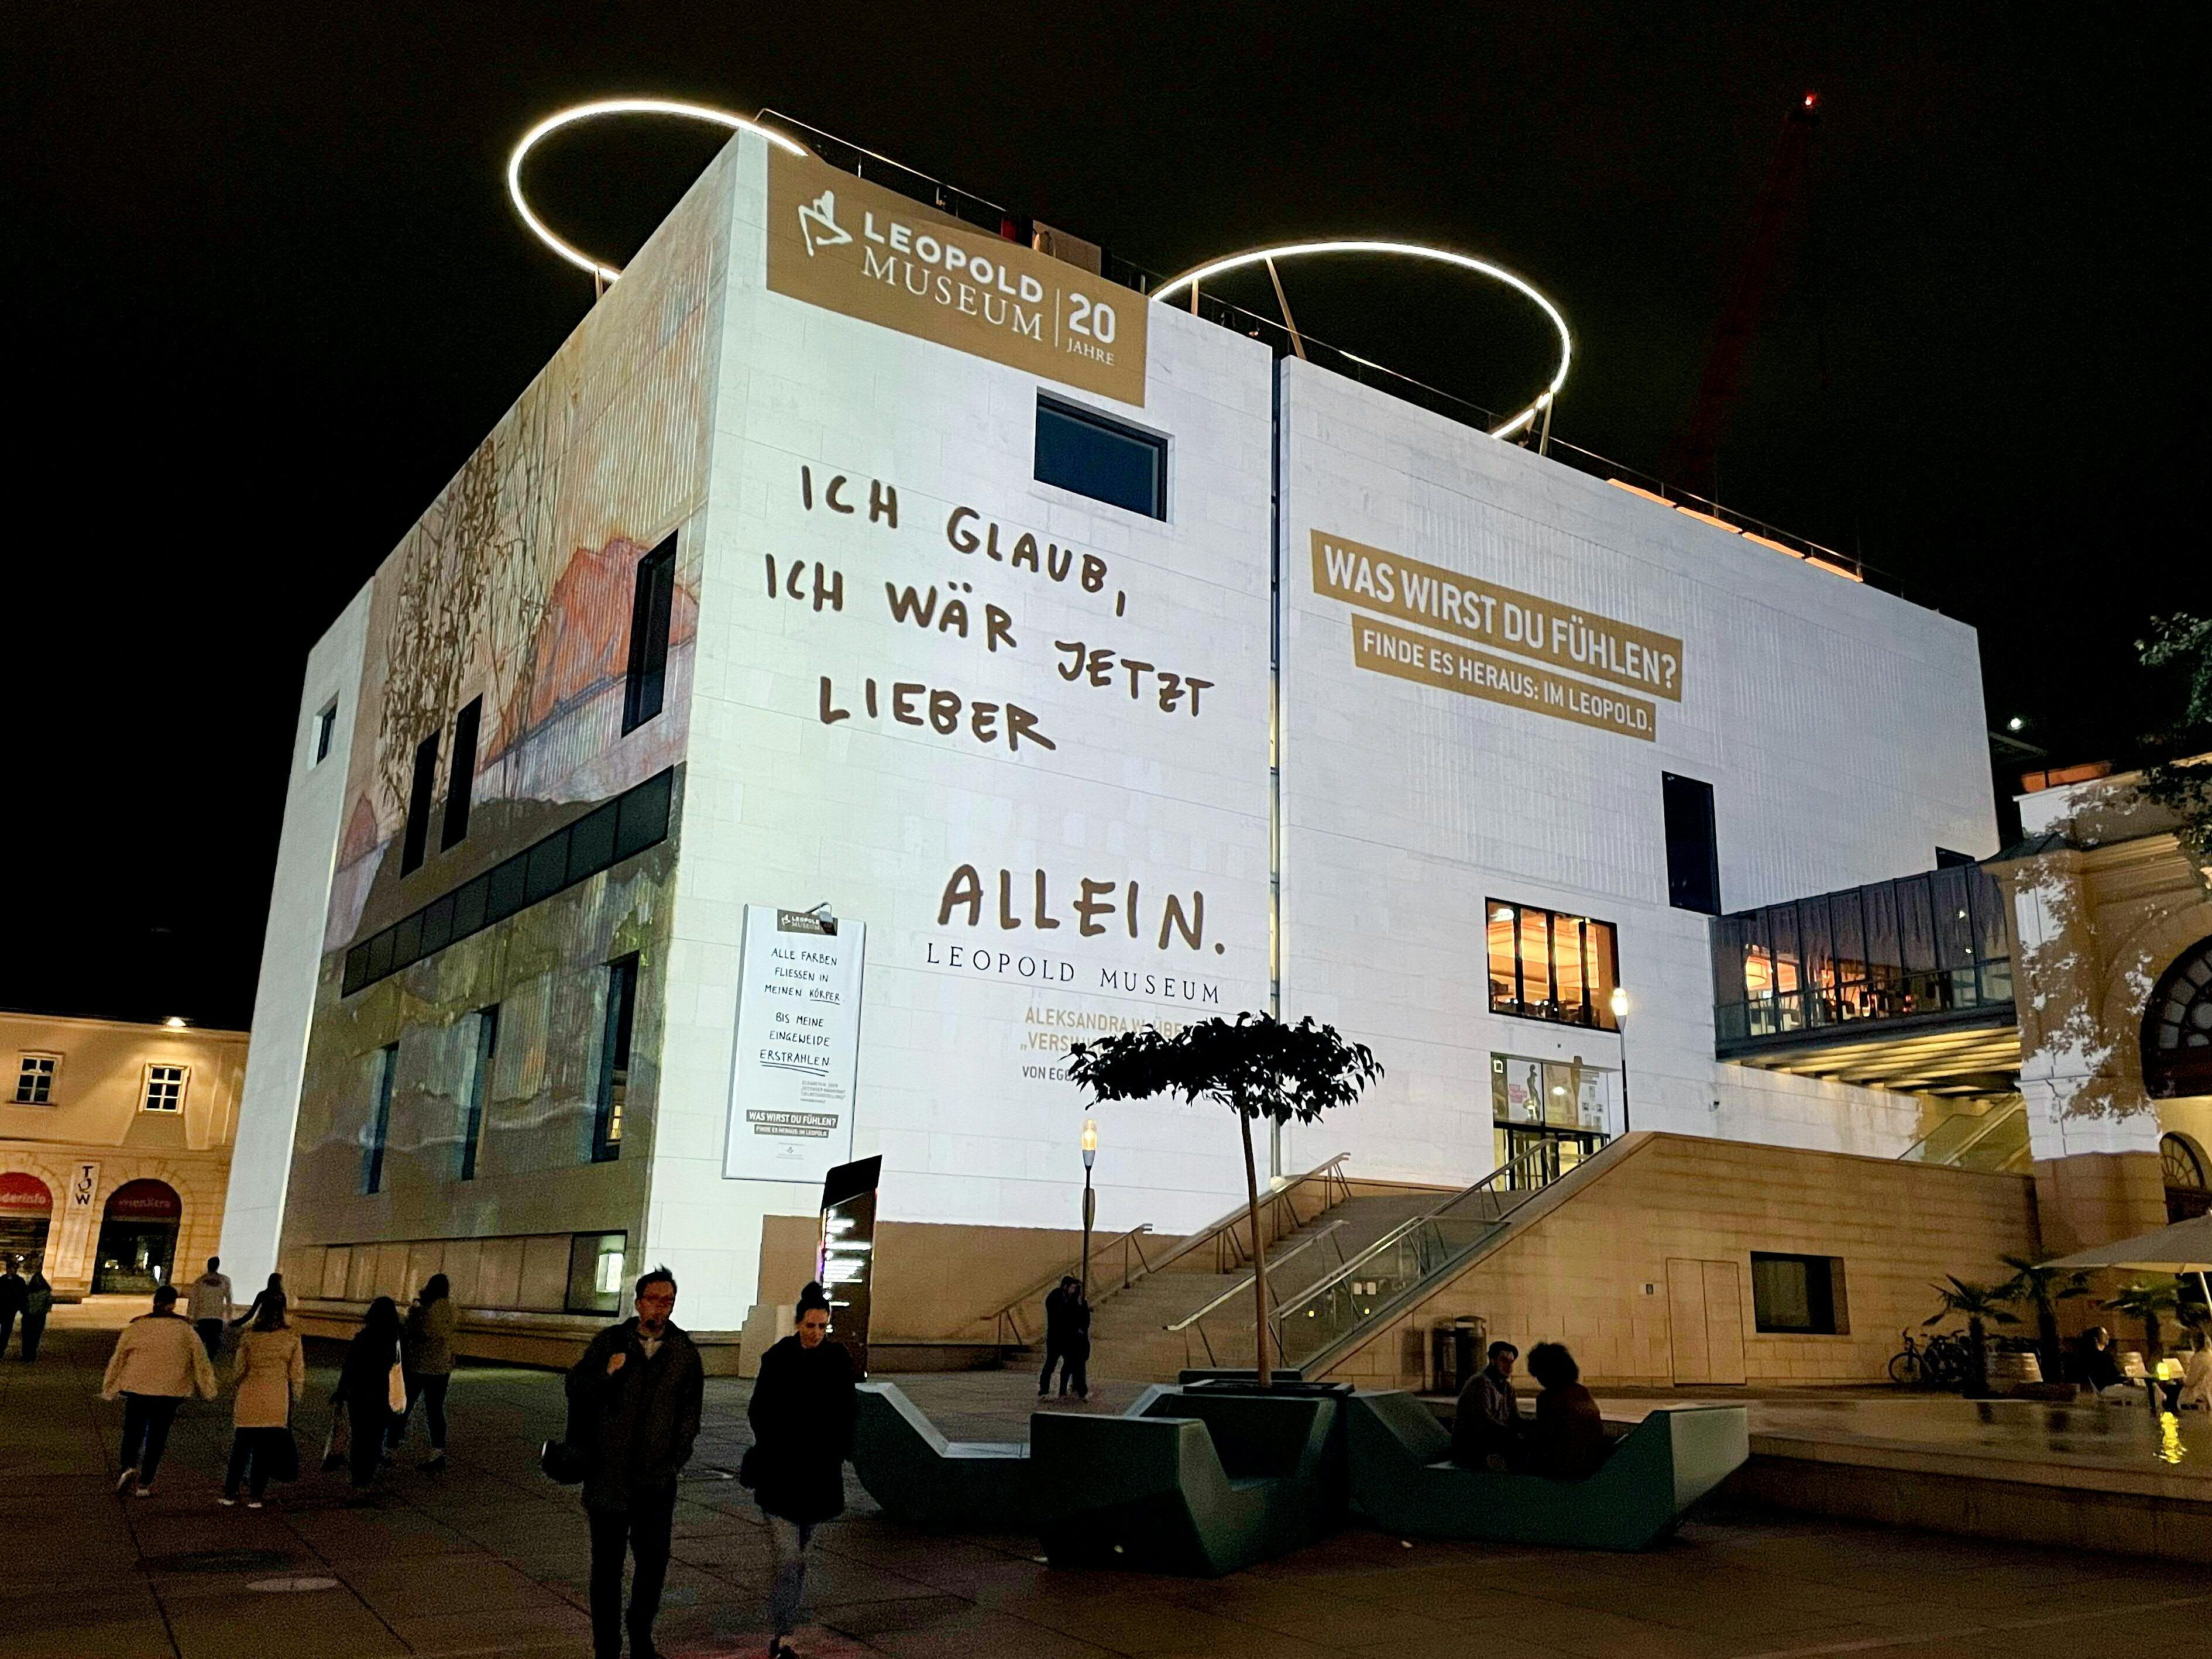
<point x="2183" y="1248"/>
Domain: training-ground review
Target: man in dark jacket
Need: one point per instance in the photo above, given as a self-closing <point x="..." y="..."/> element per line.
<point x="634" y="1403"/>
<point x="1067" y="1338"/>
<point x="1487" y="1433"/>
<point x="14" y="1292"/>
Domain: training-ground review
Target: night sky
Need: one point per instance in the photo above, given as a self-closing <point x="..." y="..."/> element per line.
<point x="267" y="294"/>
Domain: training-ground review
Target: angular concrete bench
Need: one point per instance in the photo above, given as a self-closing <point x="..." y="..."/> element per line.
<point x="1192" y="1483"/>
<point x="920" y="1477"/>
<point x="1404" y="1481"/>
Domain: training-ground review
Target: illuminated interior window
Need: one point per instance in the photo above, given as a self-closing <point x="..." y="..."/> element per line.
<point x="1547" y="965"/>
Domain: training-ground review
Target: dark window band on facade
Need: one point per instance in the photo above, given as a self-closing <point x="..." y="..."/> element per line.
<point x="652" y="607"/>
<point x="616" y="829"/>
<point x="462" y="778"/>
<point x="1693" y="864"/>
<point x="417" y="840"/>
<point x="1094" y="455"/>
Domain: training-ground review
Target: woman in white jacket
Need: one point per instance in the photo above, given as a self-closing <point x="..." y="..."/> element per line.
<point x="2196" y="1372"/>
<point x="272" y="1373"/>
<point x="158" y="1364"/>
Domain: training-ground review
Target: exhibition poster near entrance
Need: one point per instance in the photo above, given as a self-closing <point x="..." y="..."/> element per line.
<point x="798" y="1041"/>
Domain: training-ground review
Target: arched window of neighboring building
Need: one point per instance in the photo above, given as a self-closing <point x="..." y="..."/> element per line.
<point x="2177" y="1032"/>
<point x="2182" y="1167"/>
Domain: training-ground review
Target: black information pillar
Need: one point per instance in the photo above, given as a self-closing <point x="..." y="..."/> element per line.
<point x="848" y="1252"/>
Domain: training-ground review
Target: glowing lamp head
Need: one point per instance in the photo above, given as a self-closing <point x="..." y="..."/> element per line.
<point x="1618" y="1003"/>
<point x="1090" y="1141"/>
<point x="175" y="1022"/>
<point x="2015" y="724"/>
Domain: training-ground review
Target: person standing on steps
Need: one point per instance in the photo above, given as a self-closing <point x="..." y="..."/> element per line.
<point x="633" y="1403"/>
<point x="37" y="1303"/>
<point x="430" y="1367"/>
<point x="802" y="1413"/>
<point x="271" y="1373"/>
<point x="13" y="1290"/>
<point x="158" y="1364"/>
<point x="208" y="1307"/>
<point x="1066" y="1326"/>
<point x="366" y="1388"/>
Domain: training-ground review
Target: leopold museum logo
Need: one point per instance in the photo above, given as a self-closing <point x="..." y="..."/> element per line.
<point x="854" y="247"/>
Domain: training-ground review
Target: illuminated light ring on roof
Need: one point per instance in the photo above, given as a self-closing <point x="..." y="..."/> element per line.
<point x="552" y="123"/>
<point x="1409" y="251"/>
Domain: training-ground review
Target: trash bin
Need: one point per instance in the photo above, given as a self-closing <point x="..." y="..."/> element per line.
<point x="1455" y="1352"/>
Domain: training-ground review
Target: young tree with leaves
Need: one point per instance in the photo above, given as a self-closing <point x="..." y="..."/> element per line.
<point x="2181" y="780"/>
<point x="1255" y="1065"/>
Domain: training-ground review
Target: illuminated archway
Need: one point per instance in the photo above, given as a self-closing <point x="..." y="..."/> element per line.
<point x="2177" y="1028"/>
<point x="603" y="106"/>
<point x="1404" y="251"/>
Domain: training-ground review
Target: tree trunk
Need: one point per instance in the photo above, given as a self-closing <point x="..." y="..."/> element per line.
<point x="1259" y="1255"/>
<point x="2051" y="1355"/>
<point x="1977" y="1357"/>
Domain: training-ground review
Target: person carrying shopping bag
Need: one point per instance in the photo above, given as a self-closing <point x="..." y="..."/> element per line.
<point x="430" y="1367"/>
<point x="158" y="1365"/>
<point x="370" y="1391"/>
<point x="271" y="1373"/>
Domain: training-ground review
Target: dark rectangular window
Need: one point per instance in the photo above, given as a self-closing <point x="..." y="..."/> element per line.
<point x="651" y="607"/>
<point x="614" y="1059"/>
<point x="596" y="1271"/>
<point x="1693" y="860"/>
<point x="325" y="726"/>
<point x="591" y="841"/>
<point x="1948" y="859"/>
<point x="1081" y="450"/>
<point x="379" y="1128"/>
<point x="1544" y="965"/>
<point x="479" y="1087"/>
<point x="1798" y="1295"/>
<point x="461" y="775"/>
<point x="417" y="840"/>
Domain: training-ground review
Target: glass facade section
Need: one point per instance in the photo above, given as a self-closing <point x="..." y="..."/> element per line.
<point x="1930" y="944"/>
<point x="1545" y="965"/>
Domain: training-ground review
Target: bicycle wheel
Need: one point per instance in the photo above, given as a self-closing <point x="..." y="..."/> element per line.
<point x="1905" y="1370"/>
<point x="1945" y="1365"/>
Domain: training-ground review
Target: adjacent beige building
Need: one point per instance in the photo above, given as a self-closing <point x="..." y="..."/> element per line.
<point x="115" y="1145"/>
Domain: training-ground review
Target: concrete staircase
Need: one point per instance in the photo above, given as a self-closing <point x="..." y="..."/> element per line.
<point x="1130" y="1337"/>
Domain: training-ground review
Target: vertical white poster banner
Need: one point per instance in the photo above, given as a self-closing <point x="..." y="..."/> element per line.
<point x="798" y="1044"/>
<point x="79" y="1225"/>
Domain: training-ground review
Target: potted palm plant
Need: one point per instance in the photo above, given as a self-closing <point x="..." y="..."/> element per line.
<point x="2036" y="1284"/>
<point x="1981" y="1306"/>
<point x="2147" y="1302"/>
<point x="1256" y="1066"/>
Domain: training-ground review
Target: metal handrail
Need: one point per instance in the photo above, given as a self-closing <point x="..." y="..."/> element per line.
<point x="1004" y="1318"/>
<point x="1235" y="1291"/>
<point x="1351" y="1268"/>
<point x="1990" y="1122"/>
<point x="1332" y="1170"/>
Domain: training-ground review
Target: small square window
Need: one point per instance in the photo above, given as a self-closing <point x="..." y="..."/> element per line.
<point x="34" y="1079"/>
<point x="1093" y="455"/>
<point x="165" y="1088"/>
<point x="1798" y="1295"/>
<point x="327" y="725"/>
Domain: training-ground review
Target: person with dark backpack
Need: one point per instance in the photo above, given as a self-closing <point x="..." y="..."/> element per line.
<point x="802" y="1413"/>
<point x="634" y="1403"/>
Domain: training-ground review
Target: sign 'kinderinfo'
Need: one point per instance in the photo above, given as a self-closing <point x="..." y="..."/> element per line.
<point x="840" y="242"/>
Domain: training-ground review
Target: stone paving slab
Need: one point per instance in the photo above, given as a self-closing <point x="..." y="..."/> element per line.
<point x="490" y="1559"/>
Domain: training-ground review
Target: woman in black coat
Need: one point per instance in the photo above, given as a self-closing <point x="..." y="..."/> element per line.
<point x="365" y="1386"/>
<point x="802" y="1416"/>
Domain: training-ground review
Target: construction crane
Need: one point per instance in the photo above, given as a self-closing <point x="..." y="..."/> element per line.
<point x="1690" y="459"/>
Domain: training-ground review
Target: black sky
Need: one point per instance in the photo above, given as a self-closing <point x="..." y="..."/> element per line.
<point x="267" y="293"/>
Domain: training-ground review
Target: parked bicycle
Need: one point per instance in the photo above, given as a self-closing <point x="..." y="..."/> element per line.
<point x="1940" y="1361"/>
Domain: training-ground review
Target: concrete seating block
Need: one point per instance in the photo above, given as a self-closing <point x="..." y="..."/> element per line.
<point x="1404" y="1481"/>
<point x="922" y="1479"/>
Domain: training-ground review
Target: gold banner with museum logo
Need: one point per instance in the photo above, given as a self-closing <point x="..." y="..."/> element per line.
<point x="1430" y="661"/>
<point x="1580" y="641"/>
<point x="848" y="246"/>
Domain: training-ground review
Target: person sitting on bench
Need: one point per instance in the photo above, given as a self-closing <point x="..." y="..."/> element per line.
<point x="1488" y="1433"/>
<point x="1568" y="1441"/>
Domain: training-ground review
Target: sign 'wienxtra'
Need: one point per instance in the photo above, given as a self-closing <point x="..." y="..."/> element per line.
<point x="842" y="243"/>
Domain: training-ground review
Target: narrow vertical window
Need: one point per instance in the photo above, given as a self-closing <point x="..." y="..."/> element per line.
<point x="1694" y="867"/>
<point x="380" y="1119"/>
<point x="325" y="727"/>
<point x="479" y="1088"/>
<point x="461" y="775"/>
<point x="651" y="607"/>
<point x="614" y="1059"/>
<point x="419" y="793"/>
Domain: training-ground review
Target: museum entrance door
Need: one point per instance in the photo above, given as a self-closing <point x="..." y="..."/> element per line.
<point x="137" y="1239"/>
<point x="27" y="1214"/>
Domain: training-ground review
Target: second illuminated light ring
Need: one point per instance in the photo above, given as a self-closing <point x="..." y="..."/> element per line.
<point x="1411" y="251"/>
<point x="552" y="123"/>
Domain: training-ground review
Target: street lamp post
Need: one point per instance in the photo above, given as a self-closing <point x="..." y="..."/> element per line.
<point x="1620" y="1004"/>
<point x="1090" y="1198"/>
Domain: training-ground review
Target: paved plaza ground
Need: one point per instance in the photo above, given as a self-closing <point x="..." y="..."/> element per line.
<point x="490" y="1559"/>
